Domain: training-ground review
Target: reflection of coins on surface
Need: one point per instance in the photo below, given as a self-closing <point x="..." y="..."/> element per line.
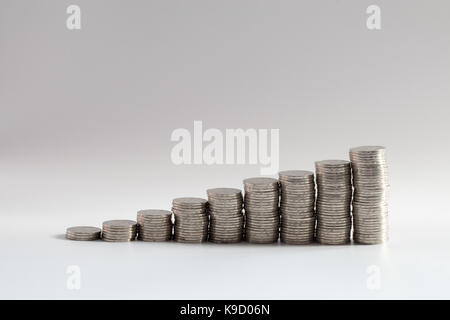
<point x="371" y="194"/>
<point x="83" y="233"/>
<point x="225" y="212"/>
<point x="119" y="230"/>
<point x="154" y="225"/>
<point x="334" y="194"/>
<point x="261" y="210"/>
<point x="191" y="219"/>
<point x="297" y="206"/>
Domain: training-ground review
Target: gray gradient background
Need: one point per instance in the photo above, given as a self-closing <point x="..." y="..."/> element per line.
<point x="86" y="118"/>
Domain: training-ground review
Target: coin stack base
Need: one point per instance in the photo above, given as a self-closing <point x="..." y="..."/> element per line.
<point x="119" y="230"/>
<point x="371" y="191"/>
<point x="297" y="206"/>
<point x="191" y="220"/>
<point x="262" y="218"/>
<point x="334" y="196"/>
<point x="83" y="233"/>
<point x="154" y="225"/>
<point x="225" y="212"/>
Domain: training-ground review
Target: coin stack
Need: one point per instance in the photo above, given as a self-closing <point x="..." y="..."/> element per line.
<point x="225" y="215"/>
<point x="119" y="230"/>
<point x="370" y="199"/>
<point x="297" y="206"/>
<point x="154" y="225"/>
<point x="334" y="196"/>
<point x="261" y="210"/>
<point x="83" y="233"/>
<point x="191" y="219"/>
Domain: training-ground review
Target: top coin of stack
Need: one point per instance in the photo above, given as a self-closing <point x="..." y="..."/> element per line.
<point x="119" y="230"/>
<point x="297" y="206"/>
<point x="154" y="225"/>
<point x="191" y="219"/>
<point x="83" y="233"/>
<point x="261" y="210"/>
<point x="370" y="199"/>
<point x="226" y="218"/>
<point x="334" y="195"/>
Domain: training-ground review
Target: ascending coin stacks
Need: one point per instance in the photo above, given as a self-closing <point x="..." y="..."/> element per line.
<point x="297" y="206"/>
<point x="267" y="216"/>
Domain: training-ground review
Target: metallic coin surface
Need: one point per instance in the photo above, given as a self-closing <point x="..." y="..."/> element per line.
<point x="298" y="194"/>
<point x="371" y="194"/>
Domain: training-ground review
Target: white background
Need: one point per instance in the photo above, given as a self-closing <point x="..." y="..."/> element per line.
<point x="86" y="118"/>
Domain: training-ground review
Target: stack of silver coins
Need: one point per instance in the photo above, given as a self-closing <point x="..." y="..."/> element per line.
<point x="119" y="230"/>
<point x="226" y="221"/>
<point x="191" y="220"/>
<point x="297" y="206"/>
<point x="83" y="233"/>
<point x="370" y="199"/>
<point x="262" y="218"/>
<point x="334" y="196"/>
<point x="154" y="225"/>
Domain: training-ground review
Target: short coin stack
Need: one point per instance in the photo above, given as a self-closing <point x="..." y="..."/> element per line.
<point x="334" y="196"/>
<point x="370" y="199"/>
<point x="261" y="210"/>
<point x="226" y="218"/>
<point x="119" y="230"/>
<point x="83" y="233"/>
<point x="154" y="225"/>
<point x="191" y="219"/>
<point x="297" y="206"/>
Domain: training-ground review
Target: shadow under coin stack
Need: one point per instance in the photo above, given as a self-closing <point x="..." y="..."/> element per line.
<point x="154" y="225"/>
<point x="191" y="219"/>
<point x="297" y="206"/>
<point x="370" y="199"/>
<point x="225" y="212"/>
<point x="334" y="196"/>
<point x="83" y="233"/>
<point x="262" y="218"/>
<point x="119" y="230"/>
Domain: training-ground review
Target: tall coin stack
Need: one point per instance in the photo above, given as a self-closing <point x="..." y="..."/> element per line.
<point x="154" y="225"/>
<point x="297" y="206"/>
<point x="261" y="210"/>
<point x="119" y="230"/>
<point x="334" y="196"/>
<point x="191" y="219"/>
<point x="226" y="218"/>
<point x="370" y="199"/>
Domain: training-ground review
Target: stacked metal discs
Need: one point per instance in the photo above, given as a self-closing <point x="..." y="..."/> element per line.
<point x="297" y="206"/>
<point x="226" y="220"/>
<point x="154" y="225"/>
<point x="191" y="219"/>
<point x="370" y="199"/>
<point x="334" y="196"/>
<point x="261" y="210"/>
<point x="119" y="230"/>
<point x="83" y="233"/>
